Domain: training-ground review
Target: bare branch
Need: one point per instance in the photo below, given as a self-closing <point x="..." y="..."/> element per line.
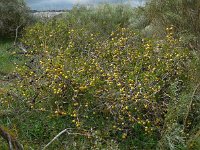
<point x="12" y="142"/>
<point x="59" y="134"/>
<point x="16" y="33"/>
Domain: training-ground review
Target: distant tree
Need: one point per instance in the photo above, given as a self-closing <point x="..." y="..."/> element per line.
<point x="13" y="16"/>
<point x="183" y="14"/>
<point x="157" y="15"/>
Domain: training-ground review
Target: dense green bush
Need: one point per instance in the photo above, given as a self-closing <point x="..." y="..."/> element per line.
<point x="157" y="15"/>
<point x="182" y="119"/>
<point x="90" y="73"/>
<point x="13" y="14"/>
<point x="114" y="87"/>
<point x="105" y="18"/>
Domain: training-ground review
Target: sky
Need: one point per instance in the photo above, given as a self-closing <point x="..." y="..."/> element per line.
<point x="68" y="4"/>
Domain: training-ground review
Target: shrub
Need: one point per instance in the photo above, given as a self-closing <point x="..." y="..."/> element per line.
<point x="13" y="14"/>
<point x="104" y="18"/>
<point x="156" y="15"/>
<point x="115" y="87"/>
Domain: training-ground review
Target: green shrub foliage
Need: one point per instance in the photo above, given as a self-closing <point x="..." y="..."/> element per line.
<point x="156" y="15"/>
<point x="116" y="85"/>
<point x="89" y="72"/>
<point x="13" y="13"/>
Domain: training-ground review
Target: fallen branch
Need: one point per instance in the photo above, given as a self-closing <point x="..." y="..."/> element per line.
<point x="12" y="141"/>
<point x="59" y="134"/>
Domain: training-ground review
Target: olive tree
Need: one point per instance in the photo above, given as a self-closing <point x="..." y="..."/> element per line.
<point x="13" y="16"/>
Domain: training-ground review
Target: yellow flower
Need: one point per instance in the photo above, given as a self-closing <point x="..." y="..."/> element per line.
<point x="75" y="104"/>
<point x="82" y="88"/>
<point x="124" y="135"/>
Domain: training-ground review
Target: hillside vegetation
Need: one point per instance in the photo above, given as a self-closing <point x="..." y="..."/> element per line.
<point x="105" y="77"/>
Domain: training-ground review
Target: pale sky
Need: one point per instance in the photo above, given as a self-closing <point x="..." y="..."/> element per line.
<point x="67" y="4"/>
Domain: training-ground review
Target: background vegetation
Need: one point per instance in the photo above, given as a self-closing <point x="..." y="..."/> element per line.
<point x="14" y="15"/>
<point x="109" y="77"/>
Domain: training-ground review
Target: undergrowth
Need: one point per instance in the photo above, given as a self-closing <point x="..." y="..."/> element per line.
<point x="94" y="77"/>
